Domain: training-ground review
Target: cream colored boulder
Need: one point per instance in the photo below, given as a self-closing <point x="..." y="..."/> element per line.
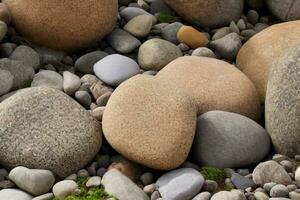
<point x="213" y="85"/>
<point x="212" y="13"/>
<point x="63" y="24"/>
<point x="150" y="123"/>
<point x="257" y="56"/>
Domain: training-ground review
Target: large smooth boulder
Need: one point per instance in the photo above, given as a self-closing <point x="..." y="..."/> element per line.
<point x="286" y="10"/>
<point x="229" y="140"/>
<point x="14" y="194"/>
<point x="213" y="85"/>
<point x="63" y="24"/>
<point x="150" y="122"/>
<point x="283" y="103"/>
<point x="213" y="13"/>
<point x="257" y="56"/>
<point x="43" y="128"/>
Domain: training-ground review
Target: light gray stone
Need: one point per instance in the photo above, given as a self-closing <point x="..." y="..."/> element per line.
<point x="121" y="187"/>
<point x="155" y="54"/>
<point x="6" y="82"/>
<point x="14" y="194"/>
<point x="115" y="69"/>
<point x="283" y="103"/>
<point x="22" y="73"/>
<point x="221" y="33"/>
<point x="202" y="196"/>
<point x="232" y="195"/>
<point x="287" y="10"/>
<point x="27" y="55"/>
<point x="204" y="51"/>
<point x="64" y="188"/>
<point x="94" y="181"/>
<point x="227" y="46"/>
<point x="122" y="41"/>
<point x="85" y="63"/>
<point x="261" y="196"/>
<point x="43" y="128"/>
<point x="33" y="181"/>
<point x="47" y="78"/>
<point x="237" y="141"/>
<point x="71" y="82"/>
<point x="139" y="26"/>
<point x="48" y="196"/>
<point x="131" y="12"/>
<point x="297" y="175"/>
<point x="270" y="171"/>
<point x="180" y="184"/>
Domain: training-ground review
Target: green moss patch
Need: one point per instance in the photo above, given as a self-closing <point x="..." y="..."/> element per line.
<point x="212" y="173"/>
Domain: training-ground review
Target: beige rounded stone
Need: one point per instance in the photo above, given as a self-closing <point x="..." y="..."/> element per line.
<point x="212" y="13"/>
<point x="150" y="122"/>
<point x="213" y="85"/>
<point x="63" y="24"/>
<point x="257" y="56"/>
<point x="283" y="103"/>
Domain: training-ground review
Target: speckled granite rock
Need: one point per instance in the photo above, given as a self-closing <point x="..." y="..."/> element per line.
<point x="64" y="24"/>
<point x="257" y="56"/>
<point x="283" y="103"/>
<point x="145" y="125"/>
<point x="43" y="128"/>
<point x="213" y="13"/>
<point x="213" y="85"/>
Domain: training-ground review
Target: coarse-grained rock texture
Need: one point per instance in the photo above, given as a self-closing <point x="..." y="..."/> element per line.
<point x="283" y="103"/>
<point x="63" y="24"/>
<point x="257" y="56"/>
<point x="213" y="85"/>
<point x="43" y="128"/>
<point x="287" y="10"/>
<point x="149" y="122"/>
<point x="212" y="13"/>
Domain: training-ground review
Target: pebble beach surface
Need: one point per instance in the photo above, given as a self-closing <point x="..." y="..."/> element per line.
<point x="149" y="100"/>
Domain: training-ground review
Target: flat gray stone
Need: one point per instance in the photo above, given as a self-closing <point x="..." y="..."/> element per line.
<point x="71" y="82"/>
<point x="48" y="196"/>
<point x="14" y="194"/>
<point x="33" y="181"/>
<point x="232" y="195"/>
<point x="48" y="78"/>
<point x="43" y="128"/>
<point x="241" y="182"/>
<point x="6" y="82"/>
<point x="180" y="184"/>
<point x="115" y="69"/>
<point x="21" y="72"/>
<point x="229" y="140"/>
<point x="85" y="63"/>
<point x="121" y="187"/>
<point x="27" y="55"/>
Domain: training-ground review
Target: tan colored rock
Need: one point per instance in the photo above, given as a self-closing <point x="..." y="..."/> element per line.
<point x="213" y="85"/>
<point x="191" y="37"/>
<point x="63" y="24"/>
<point x="150" y="123"/>
<point x="212" y="13"/>
<point x="4" y="13"/>
<point x="257" y="56"/>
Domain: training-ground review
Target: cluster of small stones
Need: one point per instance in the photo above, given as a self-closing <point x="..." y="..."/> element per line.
<point x="147" y="37"/>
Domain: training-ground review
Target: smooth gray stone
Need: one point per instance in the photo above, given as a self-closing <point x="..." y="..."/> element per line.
<point x="131" y="12"/>
<point x="85" y="63"/>
<point x="159" y="6"/>
<point x="6" y="82"/>
<point x="48" y="196"/>
<point x="241" y="182"/>
<point x="64" y="188"/>
<point x="71" y="82"/>
<point x="115" y="69"/>
<point x="47" y="78"/>
<point x="21" y="72"/>
<point x="122" y="41"/>
<point x="229" y="140"/>
<point x="27" y="55"/>
<point x="180" y="184"/>
<point x="14" y="194"/>
<point x="232" y="195"/>
<point x="287" y="10"/>
<point x="121" y="187"/>
<point x="169" y="32"/>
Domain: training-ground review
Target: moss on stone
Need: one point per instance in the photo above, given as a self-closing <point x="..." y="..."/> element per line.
<point x="212" y="173"/>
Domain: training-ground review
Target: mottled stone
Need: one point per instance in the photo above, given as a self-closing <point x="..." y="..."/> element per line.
<point x="26" y="54"/>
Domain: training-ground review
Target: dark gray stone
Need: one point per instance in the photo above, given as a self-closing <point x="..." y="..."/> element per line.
<point x="287" y="10"/>
<point x="85" y="63"/>
<point x="241" y="182"/>
<point x="169" y="32"/>
<point x="229" y="140"/>
<point x="27" y="55"/>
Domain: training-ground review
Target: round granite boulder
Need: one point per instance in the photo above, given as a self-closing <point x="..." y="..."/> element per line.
<point x="63" y="24"/>
<point x="287" y="10"/>
<point x="43" y="128"/>
<point x="150" y="122"/>
<point x="213" y="85"/>
<point x="256" y="57"/>
<point x="229" y="140"/>
<point x="213" y="13"/>
<point x="283" y="103"/>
